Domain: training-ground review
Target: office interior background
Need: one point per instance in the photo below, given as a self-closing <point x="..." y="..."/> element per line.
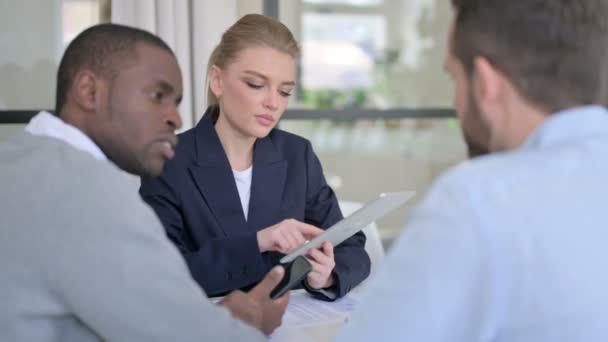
<point x="372" y="95"/>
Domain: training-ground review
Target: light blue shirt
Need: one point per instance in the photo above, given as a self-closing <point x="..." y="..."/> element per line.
<point x="509" y="247"/>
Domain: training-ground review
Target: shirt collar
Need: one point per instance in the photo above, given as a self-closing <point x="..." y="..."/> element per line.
<point x="49" y="125"/>
<point x="569" y="124"/>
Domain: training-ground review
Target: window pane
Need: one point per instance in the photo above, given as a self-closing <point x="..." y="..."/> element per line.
<point x="338" y="53"/>
<point x="386" y="56"/>
<point x="364" y="158"/>
<point x="33" y="35"/>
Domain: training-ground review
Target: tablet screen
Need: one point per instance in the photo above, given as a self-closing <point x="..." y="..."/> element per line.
<point x="350" y="225"/>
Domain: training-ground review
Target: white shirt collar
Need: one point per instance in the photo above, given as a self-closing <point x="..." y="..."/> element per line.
<point x="49" y="125"/>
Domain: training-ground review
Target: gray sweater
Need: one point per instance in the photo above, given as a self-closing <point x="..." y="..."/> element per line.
<point x="82" y="258"/>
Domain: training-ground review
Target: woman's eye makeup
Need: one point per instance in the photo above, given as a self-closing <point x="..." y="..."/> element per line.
<point x="285" y="93"/>
<point x="260" y="85"/>
<point x="254" y="85"/>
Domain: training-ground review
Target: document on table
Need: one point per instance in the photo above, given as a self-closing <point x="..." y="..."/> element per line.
<point x="307" y="319"/>
<point x="305" y="310"/>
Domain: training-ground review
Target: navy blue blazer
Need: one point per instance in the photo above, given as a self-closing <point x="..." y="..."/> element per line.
<point x="197" y="200"/>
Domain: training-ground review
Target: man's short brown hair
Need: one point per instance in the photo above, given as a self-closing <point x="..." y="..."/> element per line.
<point x="554" y="51"/>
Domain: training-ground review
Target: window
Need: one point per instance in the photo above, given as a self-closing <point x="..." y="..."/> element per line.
<point x="386" y="54"/>
<point x="33" y="35"/>
<point x="339" y="53"/>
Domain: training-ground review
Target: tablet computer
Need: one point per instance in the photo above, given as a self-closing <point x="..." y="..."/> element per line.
<point x="350" y="225"/>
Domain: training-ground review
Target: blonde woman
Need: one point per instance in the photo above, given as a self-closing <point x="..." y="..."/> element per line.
<point x="241" y="193"/>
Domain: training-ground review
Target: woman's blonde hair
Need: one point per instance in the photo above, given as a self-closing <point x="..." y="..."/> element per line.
<point x="252" y="30"/>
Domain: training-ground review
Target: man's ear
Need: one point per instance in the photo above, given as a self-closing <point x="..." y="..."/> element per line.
<point x="84" y="90"/>
<point x="215" y="81"/>
<point x="488" y="88"/>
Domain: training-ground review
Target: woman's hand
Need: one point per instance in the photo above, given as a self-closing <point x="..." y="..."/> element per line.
<point x="286" y="236"/>
<point x="323" y="263"/>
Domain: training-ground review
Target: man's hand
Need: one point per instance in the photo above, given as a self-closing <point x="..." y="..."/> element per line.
<point x="286" y="236"/>
<point x="255" y="307"/>
<point x="242" y="306"/>
<point x="273" y="310"/>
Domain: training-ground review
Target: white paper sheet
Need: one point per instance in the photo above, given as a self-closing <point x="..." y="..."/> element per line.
<point x="305" y="310"/>
<point x="309" y="319"/>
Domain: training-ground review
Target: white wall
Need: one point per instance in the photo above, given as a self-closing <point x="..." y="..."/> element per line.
<point x="249" y="6"/>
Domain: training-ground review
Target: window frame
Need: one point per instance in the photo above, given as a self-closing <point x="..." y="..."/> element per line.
<point x="17" y="116"/>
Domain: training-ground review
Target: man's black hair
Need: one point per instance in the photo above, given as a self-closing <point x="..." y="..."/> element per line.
<point x="103" y="49"/>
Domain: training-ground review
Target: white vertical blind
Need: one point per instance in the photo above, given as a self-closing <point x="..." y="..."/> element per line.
<point x="212" y="19"/>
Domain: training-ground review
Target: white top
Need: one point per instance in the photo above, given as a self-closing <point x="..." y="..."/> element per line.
<point x="507" y="247"/>
<point x="49" y="125"/>
<point x="243" y="185"/>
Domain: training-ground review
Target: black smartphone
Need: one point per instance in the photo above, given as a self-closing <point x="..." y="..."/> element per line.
<point x="295" y="272"/>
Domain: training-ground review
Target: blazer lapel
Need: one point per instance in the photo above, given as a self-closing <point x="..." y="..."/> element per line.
<point x="267" y="185"/>
<point x="214" y="179"/>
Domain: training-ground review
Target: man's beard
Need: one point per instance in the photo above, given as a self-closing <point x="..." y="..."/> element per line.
<point x="475" y="132"/>
<point x="475" y="150"/>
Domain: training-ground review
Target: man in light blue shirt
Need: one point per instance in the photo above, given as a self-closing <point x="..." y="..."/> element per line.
<point x="510" y="246"/>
